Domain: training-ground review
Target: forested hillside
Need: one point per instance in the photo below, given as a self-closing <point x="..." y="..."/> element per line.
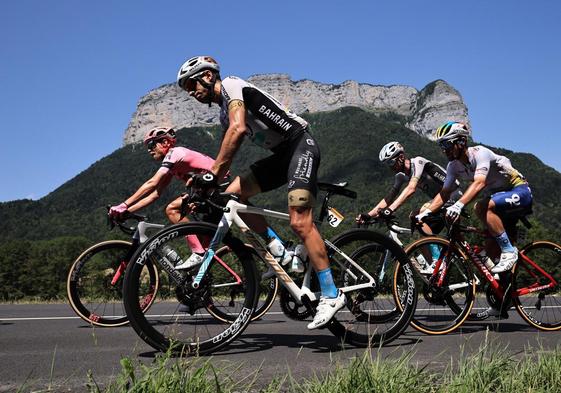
<point x="45" y="235"/>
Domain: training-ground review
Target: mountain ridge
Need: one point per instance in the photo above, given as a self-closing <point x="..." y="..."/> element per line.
<point x="423" y="109"/>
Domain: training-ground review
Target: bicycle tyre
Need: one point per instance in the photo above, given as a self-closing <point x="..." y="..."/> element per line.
<point x="269" y="287"/>
<point x="541" y="309"/>
<point x="440" y="312"/>
<point x="353" y="328"/>
<point x="90" y="292"/>
<point x="167" y="327"/>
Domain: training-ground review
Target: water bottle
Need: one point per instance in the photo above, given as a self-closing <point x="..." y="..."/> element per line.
<point x="171" y="255"/>
<point x="277" y="250"/>
<point x="299" y="259"/>
<point x="487" y="261"/>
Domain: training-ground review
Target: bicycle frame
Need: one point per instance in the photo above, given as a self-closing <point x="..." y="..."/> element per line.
<point x="231" y="216"/>
<point x="139" y="236"/>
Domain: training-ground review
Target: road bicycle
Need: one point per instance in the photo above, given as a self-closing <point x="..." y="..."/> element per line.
<point x="450" y="290"/>
<point x="362" y="262"/>
<point x="95" y="279"/>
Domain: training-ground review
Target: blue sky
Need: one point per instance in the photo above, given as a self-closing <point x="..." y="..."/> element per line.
<point x="71" y="72"/>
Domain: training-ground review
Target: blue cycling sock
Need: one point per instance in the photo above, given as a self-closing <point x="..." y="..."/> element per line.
<point x="435" y="251"/>
<point x="328" y="288"/>
<point x="504" y="243"/>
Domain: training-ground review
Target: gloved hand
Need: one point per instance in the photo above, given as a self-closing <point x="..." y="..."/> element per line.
<point x="363" y="217"/>
<point x="453" y="212"/>
<point x="205" y="181"/>
<point x="419" y="217"/>
<point x="117" y="211"/>
<point x="385" y="213"/>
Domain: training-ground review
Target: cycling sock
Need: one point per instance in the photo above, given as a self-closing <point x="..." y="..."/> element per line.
<point x="435" y="251"/>
<point x="328" y="288"/>
<point x="504" y="243"/>
<point x="194" y="244"/>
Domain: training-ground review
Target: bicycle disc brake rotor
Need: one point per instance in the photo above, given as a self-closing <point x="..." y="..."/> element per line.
<point x="291" y="308"/>
<point x="433" y="295"/>
<point x="194" y="299"/>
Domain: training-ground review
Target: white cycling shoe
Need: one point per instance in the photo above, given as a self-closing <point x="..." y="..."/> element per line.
<point x="326" y="309"/>
<point x="488" y="313"/>
<point x="192" y="261"/>
<point x="507" y="261"/>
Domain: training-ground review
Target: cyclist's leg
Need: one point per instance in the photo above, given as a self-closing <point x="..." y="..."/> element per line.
<point x="508" y="202"/>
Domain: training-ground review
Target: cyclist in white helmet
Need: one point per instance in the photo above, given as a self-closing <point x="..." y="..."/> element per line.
<point x="417" y="173"/>
<point x="176" y="161"/>
<point x="503" y="190"/>
<point x="247" y="111"/>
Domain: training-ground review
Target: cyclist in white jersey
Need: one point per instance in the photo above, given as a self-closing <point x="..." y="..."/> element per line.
<point x="246" y="110"/>
<point x="503" y="190"/>
<point x="417" y="173"/>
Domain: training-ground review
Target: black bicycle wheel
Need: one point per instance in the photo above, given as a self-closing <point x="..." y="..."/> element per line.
<point x="95" y="284"/>
<point x="373" y="317"/>
<point x="538" y="297"/>
<point x="225" y="309"/>
<point x="178" y="320"/>
<point x="440" y="309"/>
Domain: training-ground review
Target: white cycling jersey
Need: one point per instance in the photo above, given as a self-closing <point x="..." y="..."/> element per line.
<point x="268" y="122"/>
<point x="429" y="174"/>
<point x="497" y="170"/>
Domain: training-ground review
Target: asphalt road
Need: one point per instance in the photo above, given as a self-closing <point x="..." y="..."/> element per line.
<point x="46" y="345"/>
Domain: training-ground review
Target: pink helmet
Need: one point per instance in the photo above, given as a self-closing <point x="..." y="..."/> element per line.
<point x="158" y="133"/>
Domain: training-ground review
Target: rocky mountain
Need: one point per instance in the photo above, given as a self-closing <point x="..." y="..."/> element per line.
<point x="423" y="110"/>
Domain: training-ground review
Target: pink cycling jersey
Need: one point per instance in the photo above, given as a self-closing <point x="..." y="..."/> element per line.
<point x="181" y="162"/>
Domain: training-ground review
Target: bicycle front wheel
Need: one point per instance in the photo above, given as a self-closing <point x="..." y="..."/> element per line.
<point x="179" y="321"/>
<point x="373" y="317"/>
<point x="440" y="308"/>
<point x="95" y="284"/>
<point x="537" y="285"/>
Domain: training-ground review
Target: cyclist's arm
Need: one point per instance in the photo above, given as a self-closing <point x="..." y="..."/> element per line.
<point x="384" y="202"/>
<point x="233" y="138"/>
<point x="405" y="194"/>
<point x="473" y="189"/>
<point x="149" y="191"/>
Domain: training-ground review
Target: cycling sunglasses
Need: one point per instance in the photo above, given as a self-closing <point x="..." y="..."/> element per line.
<point x="189" y="84"/>
<point x="392" y="161"/>
<point x="151" y="145"/>
<point x="447" y="145"/>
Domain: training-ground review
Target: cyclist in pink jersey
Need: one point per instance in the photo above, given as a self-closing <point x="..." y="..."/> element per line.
<point x="176" y="161"/>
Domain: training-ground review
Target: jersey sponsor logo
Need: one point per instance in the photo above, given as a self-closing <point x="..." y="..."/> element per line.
<point x="514" y="200"/>
<point x="275" y="118"/>
<point x="304" y="168"/>
<point x="310" y="142"/>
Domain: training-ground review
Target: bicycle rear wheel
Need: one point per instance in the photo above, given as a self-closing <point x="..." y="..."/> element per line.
<point x="178" y="321"/>
<point x="440" y="309"/>
<point x="223" y="308"/>
<point x="537" y="297"/>
<point x="95" y="284"/>
<point x="373" y="317"/>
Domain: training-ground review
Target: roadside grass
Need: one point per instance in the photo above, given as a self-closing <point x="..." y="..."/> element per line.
<point x="490" y="369"/>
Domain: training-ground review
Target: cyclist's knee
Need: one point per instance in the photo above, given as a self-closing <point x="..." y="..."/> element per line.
<point x="300" y="198"/>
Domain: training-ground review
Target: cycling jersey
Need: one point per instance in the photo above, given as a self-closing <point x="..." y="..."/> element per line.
<point x="181" y="161"/>
<point x="497" y="170"/>
<point x="268" y="122"/>
<point x="429" y="174"/>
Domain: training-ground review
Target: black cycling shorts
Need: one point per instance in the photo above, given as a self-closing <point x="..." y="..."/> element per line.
<point x="295" y="162"/>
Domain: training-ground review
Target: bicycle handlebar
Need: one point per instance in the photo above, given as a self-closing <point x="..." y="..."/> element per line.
<point x="112" y="222"/>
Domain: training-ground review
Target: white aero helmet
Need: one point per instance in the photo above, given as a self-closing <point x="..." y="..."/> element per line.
<point x="390" y="151"/>
<point x="450" y="131"/>
<point x="194" y="67"/>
